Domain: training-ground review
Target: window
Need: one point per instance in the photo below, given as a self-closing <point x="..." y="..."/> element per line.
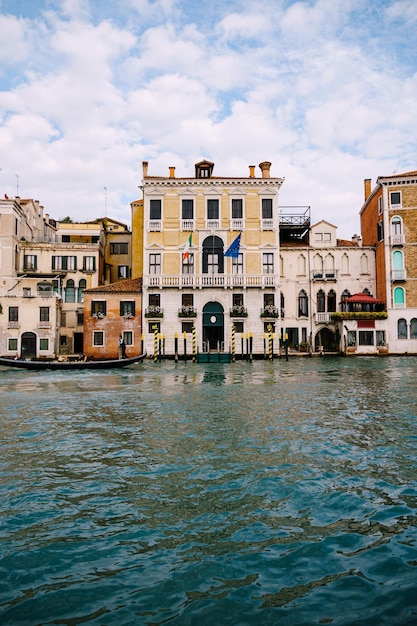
<point x="12" y="344"/>
<point x="128" y="337"/>
<point x="63" y="340"/>
<point x="321" y="301"/>
<point x="237" y="299"/>
<point x="89" y="264"/>
<point x="98" y="308"/>
<point x="366" y="337"/>
<point x="65" y="239"/>
<point x="155" y="209"/>
<point x="267" y="208"/>
<point x="127" y="308"/>
<point x="81" y="286"/>
<point x="396" y="226"/>
<point x="301" y="265"/>
<point x="268" y="262"/>
<point x="269" y="299"/>
<point x="187" y="327"/>
<point x="154" y="263"/>
<point x="13" y="314"/>
<point x="98" y="338"/>
<point x="237" y="264"/>
<point x="64" y="263"/>
<point x="154" y="327"/>
<point x="187" y="299"/>
<point x="239" y="327"/>
<point x="119" y="248"/>
<point x="43" y="344"/>
<point x="331" y="301"/>
<point x="30" y="262"/>
<point x="213" y="257"/>
<point x="187" y="209"/>
<point x="402" y="329"/>
<point x="351" y="338"/>
<point x="364" y="263"/>
<point x="380" y="230"/>
<point x="302" y="304"/>
<point x="345" y="264"/>
<point x="379" y="205"/>
<point x="212" y="209"/>
<point x="380" y="337"/>
<point x="80" y="318"/>
<point x="155" y="299"/>
<point x="269" y="327"/>
<point x="413" y="328"/>
<point x="397" y="260"/>
<point x="395" y="198"/>
<point x="188" y="264"/>
<point x="44" y="313"/>
<point x="70" y="291"/>
<point x="399" y="297"/>
<point x="123" y="271"/>
<point x="237" y="208"/>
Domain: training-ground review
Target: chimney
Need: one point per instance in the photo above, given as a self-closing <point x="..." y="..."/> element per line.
<point x="367" y="187"/>
<point x="251" y="171"/>
<point x="145" y="168"/>
<point x="265" y="167"/>
<point x="171" y="171"/>
<point x="356" y="239"/>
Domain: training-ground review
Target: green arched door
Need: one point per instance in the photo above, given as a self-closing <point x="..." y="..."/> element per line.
<point x="28" y="346"/>
<point x="213" y="325"/>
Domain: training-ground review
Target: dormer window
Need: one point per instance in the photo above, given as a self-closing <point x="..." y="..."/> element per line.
<point x="204" y="169"/>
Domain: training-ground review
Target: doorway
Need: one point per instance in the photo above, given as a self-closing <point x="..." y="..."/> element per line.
<point x="213" y="325"/>
<point x="28" y="346"/>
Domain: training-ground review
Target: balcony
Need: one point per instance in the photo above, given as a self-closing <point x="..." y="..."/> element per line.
<point x="154" y="311"/>
<point x="322" y="318"/>
<point x="187" y="225"/>
<point x="210" y="281"/>
<point x="397" y="240"/>
<point x="324" y="275"/>
<point x="267" y="224"/>
<point x="398" y="275"/>
<point x="187" y="311"/>
<point x="239" y="311"/>
<point x="270" y="311"/>
<point x="155" y="226"/>
<point x="237" y="224"/>
<point x="213" y="224"/>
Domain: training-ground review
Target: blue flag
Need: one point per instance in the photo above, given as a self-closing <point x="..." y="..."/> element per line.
<point x="233" y="249"/>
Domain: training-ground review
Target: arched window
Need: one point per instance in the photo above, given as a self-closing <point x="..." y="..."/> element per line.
<point x="402" y="329"/>
<point x="302" y="304"/>
<point x="396" y="226"/>
<point x="399" y="297"/>
<point x="282" y="304"/>
<point x="321" y="301"/>
<point x="318" y="266"/>
<point x="345" y="264"/>
<point x="213" y="255"/>
<point x="81" y="286"/>
<point x="329" y="265"/>
<point x="281" y="265"/>
<point x="364" y="264"/>
<point x="70" y="291"/>
<point x="413" y="328"/>
<point x="331" y="301"/>
<point x="397" y="260"/>
<point x="301" y="265"/>
<point x="345" y="294"/>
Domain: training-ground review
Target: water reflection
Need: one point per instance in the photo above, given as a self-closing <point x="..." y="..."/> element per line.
<point x="216" y="493"/>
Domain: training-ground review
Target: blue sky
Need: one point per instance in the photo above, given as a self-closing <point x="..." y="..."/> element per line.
<point x="324" y="89"/>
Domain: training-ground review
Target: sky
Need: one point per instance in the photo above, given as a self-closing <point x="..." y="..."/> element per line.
<point x="326" y="90"/>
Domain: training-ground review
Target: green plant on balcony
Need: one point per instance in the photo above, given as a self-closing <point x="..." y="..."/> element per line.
<point x="269" y="310"/>
<point x="239" y="311"/>
<point x="187" y="311"/>
<point x="359" y="315"/>
<point x="154" y="311"/>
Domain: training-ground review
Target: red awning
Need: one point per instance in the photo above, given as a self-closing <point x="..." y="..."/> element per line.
<point x="362" y="298"/>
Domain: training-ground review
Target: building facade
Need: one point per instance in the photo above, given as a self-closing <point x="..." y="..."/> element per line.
<point x="389" y="224"/>
<point x="188" y="279"/>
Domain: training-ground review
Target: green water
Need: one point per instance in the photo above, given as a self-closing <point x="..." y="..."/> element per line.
<point x="210" y="494"/>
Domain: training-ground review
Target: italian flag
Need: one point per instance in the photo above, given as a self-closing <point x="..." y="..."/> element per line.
<point x="186" y="251"/>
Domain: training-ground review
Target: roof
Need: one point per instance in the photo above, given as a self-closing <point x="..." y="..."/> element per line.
<point x="131" y="285"/>
<point x="363" y="298"/>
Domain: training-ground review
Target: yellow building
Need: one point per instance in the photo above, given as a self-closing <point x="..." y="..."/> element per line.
<point x="189" y="278"/>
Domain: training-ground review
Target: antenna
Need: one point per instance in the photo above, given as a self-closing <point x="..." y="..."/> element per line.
<point x="17" y="184"/>
<point x="105" y="201"/>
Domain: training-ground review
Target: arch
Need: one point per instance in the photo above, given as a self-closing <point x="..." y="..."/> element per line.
<point x="318" y="266"/>
<point x="331" y="301"/>
<point x="402" y="329"/>
<point x="213" y="258"/>
<point x="396" y="226"/>
<point x="28" y="345"/>
<point x="301" y="265"/>
<point x="364" y="264"/>
<point x="413" y="328"/>
<point x="325" y="338"/>
<point x="302" y="304"/>
<point x="213" y="324"/>
<point x="397" y="260"/>
<point x="345" y="264"/>
<point x="329" y="263"/>
<point x="81" y="286"/>
<point x="321" y="301"/>
<point x="70" y="291"/>
<point x="399" y="296"/>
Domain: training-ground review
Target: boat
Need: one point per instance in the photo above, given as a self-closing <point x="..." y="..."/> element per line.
<point x="70" y="364"/>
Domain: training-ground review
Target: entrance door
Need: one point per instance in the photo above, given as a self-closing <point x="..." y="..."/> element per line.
<point x="28" y="347"/>
<point x="78" y="343"/>
<point x="213" y="325"/>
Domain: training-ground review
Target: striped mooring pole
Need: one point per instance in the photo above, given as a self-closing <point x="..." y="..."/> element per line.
<point x="194" y="344"/>
<point x="233" y="343"/>
<point x="155" y="343"/>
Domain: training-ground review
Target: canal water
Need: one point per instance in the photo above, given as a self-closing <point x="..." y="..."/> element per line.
<point x="245" y="494"/>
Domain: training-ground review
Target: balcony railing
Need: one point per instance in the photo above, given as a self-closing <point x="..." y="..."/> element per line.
<point x="239" y="311"/>
<point x="202" y="281"/>
<point x="237" y="224"/>
<point x="399" y="275"/>
<point x="397" y="240"/>
<point x="155" y="226"/>
<point x="324" y="275"/>
<point x="187" y="225"/>
<point x="187" y="311"/>
<point x="269" y="311"/>
<point x="154" y="311"/>
<point x="322" y="318"/>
